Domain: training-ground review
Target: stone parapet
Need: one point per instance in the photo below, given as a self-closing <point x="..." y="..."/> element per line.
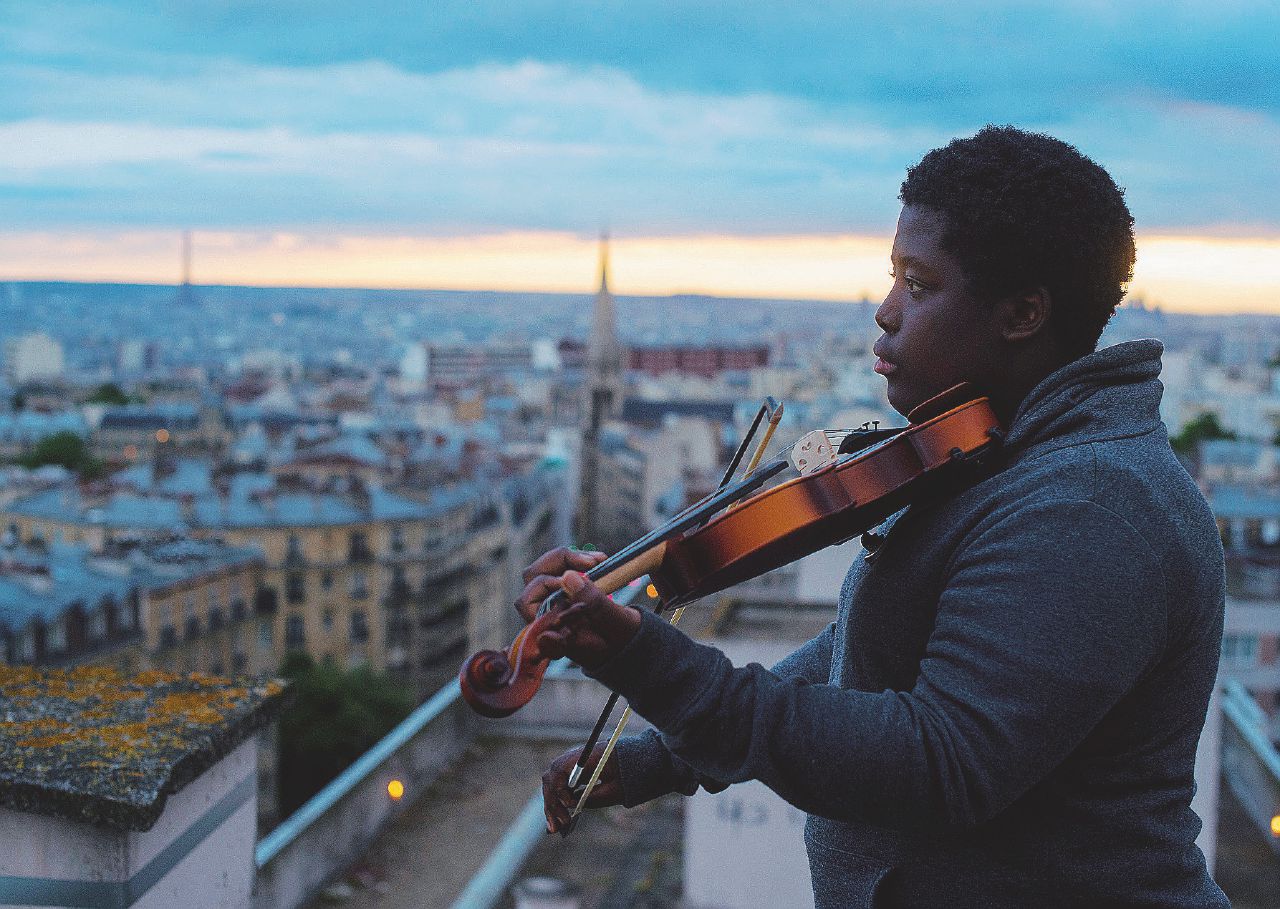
<point x="128" y="790"/>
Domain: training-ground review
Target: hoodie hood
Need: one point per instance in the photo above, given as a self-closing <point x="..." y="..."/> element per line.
<point x="1112" y="393"/>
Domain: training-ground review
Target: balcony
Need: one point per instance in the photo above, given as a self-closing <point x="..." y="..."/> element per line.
<point x="192" y="628"/>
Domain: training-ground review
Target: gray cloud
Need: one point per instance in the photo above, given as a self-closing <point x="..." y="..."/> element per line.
<point x="712" y="116"/>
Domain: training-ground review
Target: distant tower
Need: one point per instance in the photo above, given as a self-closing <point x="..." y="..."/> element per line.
<point x="186" y="295"/>
<point x="604" y="400"/>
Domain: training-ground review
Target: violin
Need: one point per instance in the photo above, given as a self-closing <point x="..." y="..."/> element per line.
<point x="847" y="483"/>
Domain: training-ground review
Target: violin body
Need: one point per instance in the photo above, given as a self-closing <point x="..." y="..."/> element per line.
<point x="778" y="525"/>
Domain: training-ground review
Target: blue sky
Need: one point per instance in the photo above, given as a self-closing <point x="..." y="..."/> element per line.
<point x="451" y="117"/>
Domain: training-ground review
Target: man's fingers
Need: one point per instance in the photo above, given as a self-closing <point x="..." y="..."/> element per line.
<point x="579" y="589"/>
<point x="537" y="590"/>
<point x="607" y="792"/>
<point x="554" y="644"/>
<point x="555" y="789"/>
<point x="560" y="560"/>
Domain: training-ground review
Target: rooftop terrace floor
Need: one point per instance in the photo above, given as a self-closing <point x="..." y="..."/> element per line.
<point x="430" y="853"/>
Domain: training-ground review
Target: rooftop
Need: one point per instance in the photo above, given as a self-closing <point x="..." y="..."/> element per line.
<point x="42" y="583"/>
<point x="187" y="496"/>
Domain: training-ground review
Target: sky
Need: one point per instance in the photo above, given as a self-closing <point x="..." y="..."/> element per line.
<point x="740" y="148"/>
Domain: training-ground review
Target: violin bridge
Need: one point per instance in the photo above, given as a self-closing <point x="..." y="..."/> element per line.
<point x="813" y="452"/>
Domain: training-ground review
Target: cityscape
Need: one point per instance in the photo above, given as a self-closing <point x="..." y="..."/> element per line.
<point x="320" y="322"/>
<point x="221" y="480"/>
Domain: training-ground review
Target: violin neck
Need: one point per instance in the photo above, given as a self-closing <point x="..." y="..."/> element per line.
<point x="636" y="567"/>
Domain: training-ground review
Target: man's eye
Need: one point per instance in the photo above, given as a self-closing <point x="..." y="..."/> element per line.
<point x="913" y="286"/>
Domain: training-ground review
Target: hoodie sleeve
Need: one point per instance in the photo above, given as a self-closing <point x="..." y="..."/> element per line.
<point x="647" y="767"/>
<point x="1048" y="617"/>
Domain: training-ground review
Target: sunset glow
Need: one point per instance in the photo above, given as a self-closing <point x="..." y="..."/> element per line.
<point x="1183" y="273"/>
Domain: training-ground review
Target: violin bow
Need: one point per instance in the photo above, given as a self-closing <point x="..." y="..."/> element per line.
<point x="771" y="409"/>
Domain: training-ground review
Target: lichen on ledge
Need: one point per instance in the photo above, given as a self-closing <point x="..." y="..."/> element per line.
<point x="93" y="745"/>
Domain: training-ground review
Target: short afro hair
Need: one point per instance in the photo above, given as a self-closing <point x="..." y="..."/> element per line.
<point x="1023" y="210"/>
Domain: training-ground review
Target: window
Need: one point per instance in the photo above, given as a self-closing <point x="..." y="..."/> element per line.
<point x="1239" y="649"/>
<point x="98" y="624"/>
<point x="293" y="551"/>
<point x="359" y="550"/>
<point x="399" y="583"/>
<point x="327" y="619"/>
<point x="359" y="585"/>
<point x="359" y="627"/>
<point x="326" y="580"/>
<point x="295" y="587"/>
<point x="266" y="632"/>
<point x="397" y="539"/>
<point x="295" y="632"/>
<point x="28" y="648"/>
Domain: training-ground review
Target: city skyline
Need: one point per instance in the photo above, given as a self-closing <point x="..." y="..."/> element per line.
<point x="1190" y="274"/>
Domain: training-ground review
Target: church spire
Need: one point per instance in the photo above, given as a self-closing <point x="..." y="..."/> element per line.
<point x="603" y="389"/>
<point x="604" y="354"/>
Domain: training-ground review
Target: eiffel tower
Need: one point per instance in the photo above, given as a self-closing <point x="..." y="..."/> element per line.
<point x="604" y="401"/>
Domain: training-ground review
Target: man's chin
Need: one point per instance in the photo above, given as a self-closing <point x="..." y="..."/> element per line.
<point x="901" y="399"/>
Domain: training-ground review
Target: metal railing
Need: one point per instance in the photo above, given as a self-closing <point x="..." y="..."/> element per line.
<point x="335" y="827"/>
<point x="1250" y="762"/>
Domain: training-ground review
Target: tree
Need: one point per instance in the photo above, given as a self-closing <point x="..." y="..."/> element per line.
<point x="337" y="715"/>
<point x="1200" y="429"/>
<point x="67" y="449"/>
<point x="108" y="393"/>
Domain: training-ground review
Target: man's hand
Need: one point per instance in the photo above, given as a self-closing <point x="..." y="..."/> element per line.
<point x="545" y="575"/>
<point x="590" y="627"/>
<point x="558" y="800"/>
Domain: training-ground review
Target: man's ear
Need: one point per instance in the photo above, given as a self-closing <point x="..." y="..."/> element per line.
<point x="1024" y="315"/>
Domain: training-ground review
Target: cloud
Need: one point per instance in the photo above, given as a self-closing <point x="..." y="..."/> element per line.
<point x="487" y="116"/>
<point x="529" y="145"/>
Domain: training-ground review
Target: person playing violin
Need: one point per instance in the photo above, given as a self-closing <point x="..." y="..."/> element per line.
<point x="1006" y="708"/>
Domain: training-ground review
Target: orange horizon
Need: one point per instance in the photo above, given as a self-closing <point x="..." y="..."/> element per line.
<point x="1179" y="272"/>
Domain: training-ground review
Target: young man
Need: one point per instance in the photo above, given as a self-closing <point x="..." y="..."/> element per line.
<point x="1006" y="709"/>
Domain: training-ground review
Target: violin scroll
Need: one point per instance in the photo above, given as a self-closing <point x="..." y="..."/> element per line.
<point x="497" y="684"/>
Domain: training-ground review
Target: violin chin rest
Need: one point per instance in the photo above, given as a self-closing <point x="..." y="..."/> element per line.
<point x="939" y="404"/>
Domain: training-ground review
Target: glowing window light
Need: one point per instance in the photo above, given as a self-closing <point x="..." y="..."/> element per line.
<point x="395" y="789"/>
<point x="652" y="591"/>
<point x="162" y="436"/>
<point x="1275" y="825"/>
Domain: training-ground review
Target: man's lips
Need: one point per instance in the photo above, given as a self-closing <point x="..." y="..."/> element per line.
<point x="883" y="366"/>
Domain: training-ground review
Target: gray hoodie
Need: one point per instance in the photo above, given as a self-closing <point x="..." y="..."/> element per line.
<point x="1006" y="708"/>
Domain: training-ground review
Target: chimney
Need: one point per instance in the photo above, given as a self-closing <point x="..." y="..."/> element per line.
<point x="130" y="789"/>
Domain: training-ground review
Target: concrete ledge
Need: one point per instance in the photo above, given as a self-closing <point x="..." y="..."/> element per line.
<point x="95" y="746"/>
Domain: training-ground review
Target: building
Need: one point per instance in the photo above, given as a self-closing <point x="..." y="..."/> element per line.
<point x="603" y="399"/>
<point x="33" y="357"/>
<point x="135" y="431"/>
<point x="707" y="361"/>
<point x="174" y="604"/>
<point x="351" y="573"/>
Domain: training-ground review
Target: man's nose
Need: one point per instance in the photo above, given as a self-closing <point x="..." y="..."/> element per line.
<point x="887" y="315"/>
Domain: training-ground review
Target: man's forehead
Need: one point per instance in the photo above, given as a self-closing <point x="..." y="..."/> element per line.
<point x="918" y="234"/>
